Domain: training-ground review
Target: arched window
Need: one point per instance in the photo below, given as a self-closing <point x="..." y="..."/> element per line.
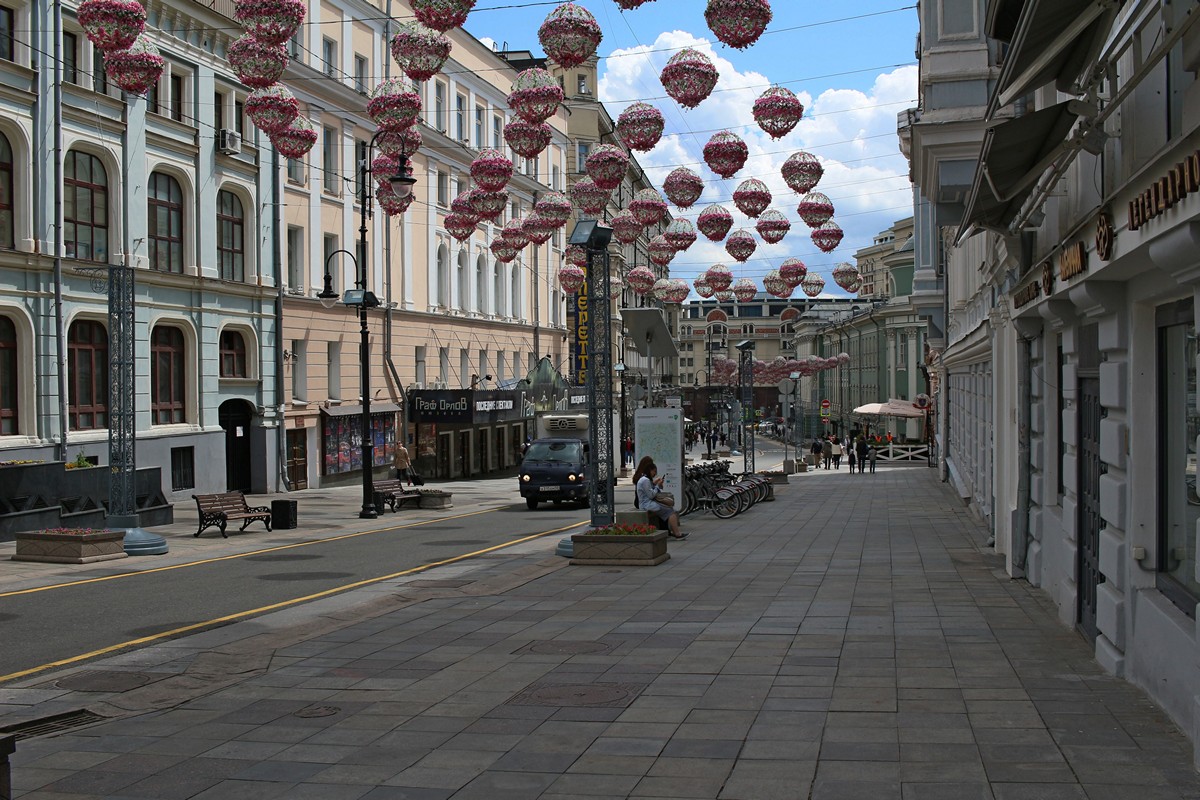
<point x="442" y="277"/>
<point x="7" y="234"/>
<point x="481" y="285"/>
<point x="515" y="309"/>
<point x="231" y="251"/>
<point x="165" y="223"/>
<point x="8" y="377"/>
<point x="85" y="207"/>
<point x="498" y="293"/>
<point x="87" y="388"/>
<point x="233" y="355"/>
<point x="464" y="290"/>
<point x="167" y="375"/>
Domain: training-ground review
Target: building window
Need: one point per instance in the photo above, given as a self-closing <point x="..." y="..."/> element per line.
<point x="99" y="76"/>
<point x="479" y="115"/>
<point x="167" y="375"/>
<point x="295" y="171"/>
<point x="329" y="145"/>
<point x="441" y="290"/>
<point x="497" y="132"/>
<point x="360" y="167"/>
<point x="295" y="257"/>
<point x="333" y="352"/>
<point x="296" y="46"/>
<point x="233" y="355"/>
<point x="230" y="237"/>
<point x="7" y="228"/>
<point x="85" y="207"/>
<point x="481" y="287"/>
<point x="556" y="179"/>
<point x="328" y="55"/>
<point x="581" y="154"/>
<point x="419" y="363"/>
<point x="329" y="246"/>
<point x="8" y="377"/>
<point x="460" y="117"/>
<point x="581" y="83"/>
<point x="165" y="223"/>
<point x="219" y="110"/>
<point x="299" y="370"/>
<point x="70" y="58"/>
<point x="7" y="50"/>
<point x="360" y="74"/>
<point x="175" y="85"/>
<point x="443" y="189"/>
<point x="439" y="106"/>
<point x="239" y="114"/>
<point x="87" y="389"/>
<point x="183" y="468"/>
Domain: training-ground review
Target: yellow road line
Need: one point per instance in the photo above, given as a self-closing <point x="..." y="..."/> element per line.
<point x="282" y="604"/>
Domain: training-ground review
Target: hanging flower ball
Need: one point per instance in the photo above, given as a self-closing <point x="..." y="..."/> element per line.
<point x="571" y="278"/>
<point x="535" y="95"/>
<point x="660" y="251"/>
<point x="802" y="172"/>
<point x="843" y="359"/>
<point x="538" y="229"/>
<point x="726" y="153"/>
<point x="419" y="51"/>
<point x="827" y="236"/>
<point x="442" y="15"/>
<point x="724" y="296"/>
<point x="680" y="234"/>
<point x="741" y="245"/>
<point x="615" y="288"/>
<point x="257" y="64"/>
<point x="137" y="68"/>
<point x="640" y="126"/>
<point x="462" y="207"/>
<point x="626" y="229"/>
<point x="504" y="250"/>
<point x="738" y="23"/>
<point x="112" y="24"/>
<point x="295" y="140"/>
<point x="528" y="139"/>
<point x="772" y="226"/>
<point x="392" y="203"/>
<point x="588" y="197"/>
<point x="844" y="274"/>
<point x="751" y="197"/>
<point x="689" y="77"/>
<point x="399" y="143"/>
<point x="778" y="111"/>
<point x="815" y="209"/>
<point x="715" y="222"/>
<point x="487" y="204"/>
<point x="853" y="286"/>
<point x="683" y="187"/>
<point x="491" y="170"/>
<point x="273" y="108"/>
<point x="744" y="290"/>
<point x="630" y="5"/>
<point x="459" y="226"/>
<point x="570" y="35"/>
<point x="384" y="166"/>
<point x="813" y="284"/>
<point x="776" y="286"/>
<point x="576" y="255"/>
<point x="648" y="207"/>
<point x="719" y="277"/>
<point x="553" y="206"/>
<point x="271" y="21"/>
<point x="606" y="165"/>
<point x="660" y="288"/>
<point x="678" y="290"/>
<point x="640" y="280"/>
<point x="702" y="287"/>
<point x="393" y="105"/>
<point x="514" y="233"/>
<point x="793" y="271"/>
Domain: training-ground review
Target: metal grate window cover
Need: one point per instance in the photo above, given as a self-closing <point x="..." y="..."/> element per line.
<point x="56" y="723"/>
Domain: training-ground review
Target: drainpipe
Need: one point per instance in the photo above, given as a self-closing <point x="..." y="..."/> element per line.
<point x="277" y="261"/>
<point x="60" y="331"/>
<point x="388" y="321"/>
<point x="537" y="296"/>
<point x="1021" y="531"/>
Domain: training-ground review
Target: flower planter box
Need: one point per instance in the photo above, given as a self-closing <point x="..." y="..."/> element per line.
<point x="69" y="548"/>
<point x="603" y="550"/>
<point x="440" y="500"/>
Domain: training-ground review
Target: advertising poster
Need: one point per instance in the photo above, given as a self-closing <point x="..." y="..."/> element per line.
<point x="658" y="433"/>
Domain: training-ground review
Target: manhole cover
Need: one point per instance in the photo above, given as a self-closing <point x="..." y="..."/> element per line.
<point x="454" y="542"/>
<point x="304" y="576"/>
<point x="591" y="695"/>
<point x="563" y="648"/>
<point x="105" y="681"/>
<point x="313" y="712"/>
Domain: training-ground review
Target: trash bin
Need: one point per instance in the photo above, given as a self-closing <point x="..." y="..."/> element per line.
<point x="283" y="514"/>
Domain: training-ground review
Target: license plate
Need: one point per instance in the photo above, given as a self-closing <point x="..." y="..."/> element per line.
<point x="550" y="488"/>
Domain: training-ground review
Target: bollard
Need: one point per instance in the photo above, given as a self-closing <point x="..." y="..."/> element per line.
<point x="8" y="746"/>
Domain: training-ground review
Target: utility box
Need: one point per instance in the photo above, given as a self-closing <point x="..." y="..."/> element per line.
<point x="283" y="514"/>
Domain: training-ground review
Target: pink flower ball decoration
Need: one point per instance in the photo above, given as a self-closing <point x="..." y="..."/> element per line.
<point x="640" y="126"/>
<point x="393" y="105"/>
<point x="689" y="77"/>
<point x="571" y="278"/>
<point x="273" y="108"/>
<point x="772" y="226"/>
<point x="815" y="209"/>
<point x="813" y="284"/>
<point x="554" y="206"/>
<point x="855" y="285"/>
<point x="112" y="24"/>
<point x="827" y="236"/>
<point x="442" y="15"/>
<point x="715" y="222"/>
<point x="683" y="187"/>
<point x="535" y="95"/>
<point x="776" y="286"/>
<point x="588" y="197"/>
<point x="489" y="205"/>
<point x="462" y="207"/>
<point x="793" y="271"/>
<point x="384" y="167"/>
<point x="491" y="170"/>
<point x="648" y="207"/>
<point x="271" y="21"/>
<point x="420" y="52"/>
<point x="660" y="251"/>
<point x="843" y="359"/>
<point x="392" y="203"/>
<point x="528" y="139"/>
<point x="752" y="197"/>
<point x="606" y="165"/>
<point x="719" y="277"/>
<point x="626" y="229"/>
<point x="744" y="290"/>
<point x="137" y="68"/>
<point x="570" y="35"/>
<point x="680" y="234"/>
<point x="538" y="229"/>
<point x="459" y="226"/>
<point x="844" y="274"/>
<point x="295" y="140"/>
<point x="576" y="255"/>
<point x="514" y="233"/>
<point x="702" y="286"/>
<point x="504" y="250"/>
<point x="724" y="296"/>
<point x="399" y="143"/>
<point x="630" y="5"/>
<point x="726" y="153"/>
<point x="615" y="288"/>
<point x="778" y="111"/>
<point x="741" y="245"/>
<point x="738" y="23"/>
<point x="802" y="172"/>
<point x="660" y="288"/>
<point x="640" y="279"/>
<point x="257" y="64"/>
<point x="678" y="291"/>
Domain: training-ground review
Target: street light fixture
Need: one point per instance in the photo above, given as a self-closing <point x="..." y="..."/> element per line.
<point x="475" y="379"/>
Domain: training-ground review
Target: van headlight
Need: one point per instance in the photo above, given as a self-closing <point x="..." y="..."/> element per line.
<point x="525" y="478"/>
<point x="571" y="478"/>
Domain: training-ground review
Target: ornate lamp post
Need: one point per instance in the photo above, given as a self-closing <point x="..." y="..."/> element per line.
<point x="746" y="349"/>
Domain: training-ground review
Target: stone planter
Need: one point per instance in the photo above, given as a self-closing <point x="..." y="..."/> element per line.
<point x="69" y="548"/>
<point x="439" y="500"/>
<point x="601" y="550"/>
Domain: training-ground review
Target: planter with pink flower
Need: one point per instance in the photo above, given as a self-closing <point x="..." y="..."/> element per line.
<point x="69" y="545"/>
<point x="620" y="545"/>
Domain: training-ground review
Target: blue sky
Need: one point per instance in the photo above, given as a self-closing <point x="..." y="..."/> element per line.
<point x="850" y="64"/>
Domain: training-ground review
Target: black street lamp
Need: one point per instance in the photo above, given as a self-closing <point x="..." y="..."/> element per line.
<point x="362" y="299"/>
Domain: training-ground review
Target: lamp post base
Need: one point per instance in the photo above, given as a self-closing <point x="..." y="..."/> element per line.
<point x="368" y="513"/>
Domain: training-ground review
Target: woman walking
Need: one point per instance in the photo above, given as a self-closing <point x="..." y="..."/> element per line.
<point x="648" y="484"/>
<point x="836" y="449"/>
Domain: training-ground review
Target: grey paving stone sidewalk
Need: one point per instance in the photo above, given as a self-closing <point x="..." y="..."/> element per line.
<point x="853" y="639"/>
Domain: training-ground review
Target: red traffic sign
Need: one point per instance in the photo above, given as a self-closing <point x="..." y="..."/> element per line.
<point x="825" y="404"/>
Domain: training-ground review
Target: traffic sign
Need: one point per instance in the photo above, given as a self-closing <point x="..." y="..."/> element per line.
<point x="786" y="386"/>
<point x="826" y="404"/>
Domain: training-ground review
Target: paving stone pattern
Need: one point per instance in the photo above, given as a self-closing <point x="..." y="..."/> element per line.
<point x="854" y="639"/>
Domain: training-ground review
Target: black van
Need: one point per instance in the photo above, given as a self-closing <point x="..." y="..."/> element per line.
<point x="554" y="469"/>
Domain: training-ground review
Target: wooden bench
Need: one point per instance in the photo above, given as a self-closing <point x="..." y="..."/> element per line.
<point x="221" y="509"/>
<point x="394" y="495"/>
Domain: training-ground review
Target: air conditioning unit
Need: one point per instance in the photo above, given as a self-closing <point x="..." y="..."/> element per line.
<point x="229" y="142"/>
<point x="416" y="385"/>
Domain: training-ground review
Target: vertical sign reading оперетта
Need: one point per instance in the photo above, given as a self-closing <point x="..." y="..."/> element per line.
<point x="577" y="321"/>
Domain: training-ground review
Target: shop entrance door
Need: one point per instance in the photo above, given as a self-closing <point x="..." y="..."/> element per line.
<point x="234" y="416"/>
<point x="297" y="458"/>
<point x="480" y="449"/>
<point x="1090" y="469"/>
<point x="443" y="455"/>
<point x="499" y="459"/>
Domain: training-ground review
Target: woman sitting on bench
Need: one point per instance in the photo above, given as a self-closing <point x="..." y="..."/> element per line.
<point x="648" y="484"/>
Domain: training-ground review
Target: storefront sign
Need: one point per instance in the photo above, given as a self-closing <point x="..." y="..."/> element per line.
<point x="1027" y="294"/>
<point x="1047" y="278"/>
<point x="1166" y="192"/>
<point x="1072" y="261"/>
<point x="498" y="406"/>
<point x="438" y="405"/>
<point x="1104" y="236"/>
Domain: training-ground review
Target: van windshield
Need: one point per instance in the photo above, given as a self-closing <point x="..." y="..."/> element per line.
<point x="563" y="452"/>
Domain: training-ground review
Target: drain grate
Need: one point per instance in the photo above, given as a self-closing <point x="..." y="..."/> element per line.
<point x="579" y="695"/>
<point x="560" y="647"/>
<point x="105" y="681"/>
<point x="56" y="723"/>
<point x="312" y="712"/>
